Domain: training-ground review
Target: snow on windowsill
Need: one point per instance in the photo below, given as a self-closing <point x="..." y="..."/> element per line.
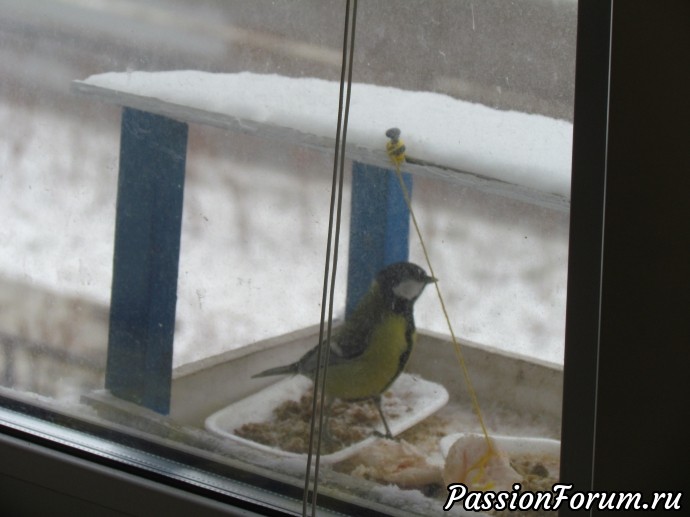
<point x="529" y="150"/>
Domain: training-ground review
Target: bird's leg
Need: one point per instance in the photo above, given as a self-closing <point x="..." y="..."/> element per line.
<point x="377" y="402"/>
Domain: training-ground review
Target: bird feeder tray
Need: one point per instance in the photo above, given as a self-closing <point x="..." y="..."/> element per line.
<point x="408" y="401"/>
<point x="510" y="444"/>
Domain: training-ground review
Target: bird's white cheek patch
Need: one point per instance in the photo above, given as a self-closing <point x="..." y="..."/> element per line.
<point x="408" y="289"/>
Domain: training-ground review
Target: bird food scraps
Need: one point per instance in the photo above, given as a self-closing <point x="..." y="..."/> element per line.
<point x="278" y="418"/>
<point x="539" y="473"/>
<point x="395" y="462"/>
<point x="289" y="426"/>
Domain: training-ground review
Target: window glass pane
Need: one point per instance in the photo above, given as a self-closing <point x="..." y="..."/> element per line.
<point x="483" y="107"/>
<point x="138" y="134"/>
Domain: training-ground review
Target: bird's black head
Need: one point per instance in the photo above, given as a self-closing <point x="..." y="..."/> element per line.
<point x="403" y="282"/>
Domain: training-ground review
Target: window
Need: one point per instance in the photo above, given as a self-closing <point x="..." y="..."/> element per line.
<point x="255" y="216"/>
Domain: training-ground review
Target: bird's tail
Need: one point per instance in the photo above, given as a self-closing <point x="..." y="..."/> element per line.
<point x="279" y="370"/>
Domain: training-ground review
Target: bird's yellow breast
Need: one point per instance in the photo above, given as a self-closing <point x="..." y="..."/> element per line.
<point x="374" y="370"/>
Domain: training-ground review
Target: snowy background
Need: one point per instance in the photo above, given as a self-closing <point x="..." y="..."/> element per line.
<point x="255" y="215"/>
<point x="253" y="241"/>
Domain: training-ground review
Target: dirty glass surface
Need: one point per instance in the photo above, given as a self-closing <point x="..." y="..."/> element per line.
<point x="483" y="105"/>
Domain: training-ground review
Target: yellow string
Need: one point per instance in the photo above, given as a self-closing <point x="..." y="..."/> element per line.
<point x="481" y="473"/>
<point x="396" y="152"/>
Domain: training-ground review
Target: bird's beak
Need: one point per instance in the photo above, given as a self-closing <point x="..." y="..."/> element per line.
<point x="431" y="280"/>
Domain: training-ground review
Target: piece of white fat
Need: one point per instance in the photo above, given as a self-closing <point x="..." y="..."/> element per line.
<point x="469" y="461"/>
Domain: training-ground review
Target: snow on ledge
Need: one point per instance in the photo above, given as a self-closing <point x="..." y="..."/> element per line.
<point x="531" y="151"/>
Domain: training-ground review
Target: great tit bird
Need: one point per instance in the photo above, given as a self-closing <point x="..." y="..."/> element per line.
<point x="373" y="346"/>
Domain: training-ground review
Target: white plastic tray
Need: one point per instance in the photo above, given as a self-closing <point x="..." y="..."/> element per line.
<point x="510" y="444"/>
<point x="413" y="399"/>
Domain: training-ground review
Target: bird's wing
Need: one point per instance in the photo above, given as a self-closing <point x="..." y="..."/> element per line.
<point x="347" y="344"/>
<point x="353" y="337"/>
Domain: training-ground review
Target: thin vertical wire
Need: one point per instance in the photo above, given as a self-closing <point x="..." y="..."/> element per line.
<point x="336" y="194"/>
<point x="341" y="173"/>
